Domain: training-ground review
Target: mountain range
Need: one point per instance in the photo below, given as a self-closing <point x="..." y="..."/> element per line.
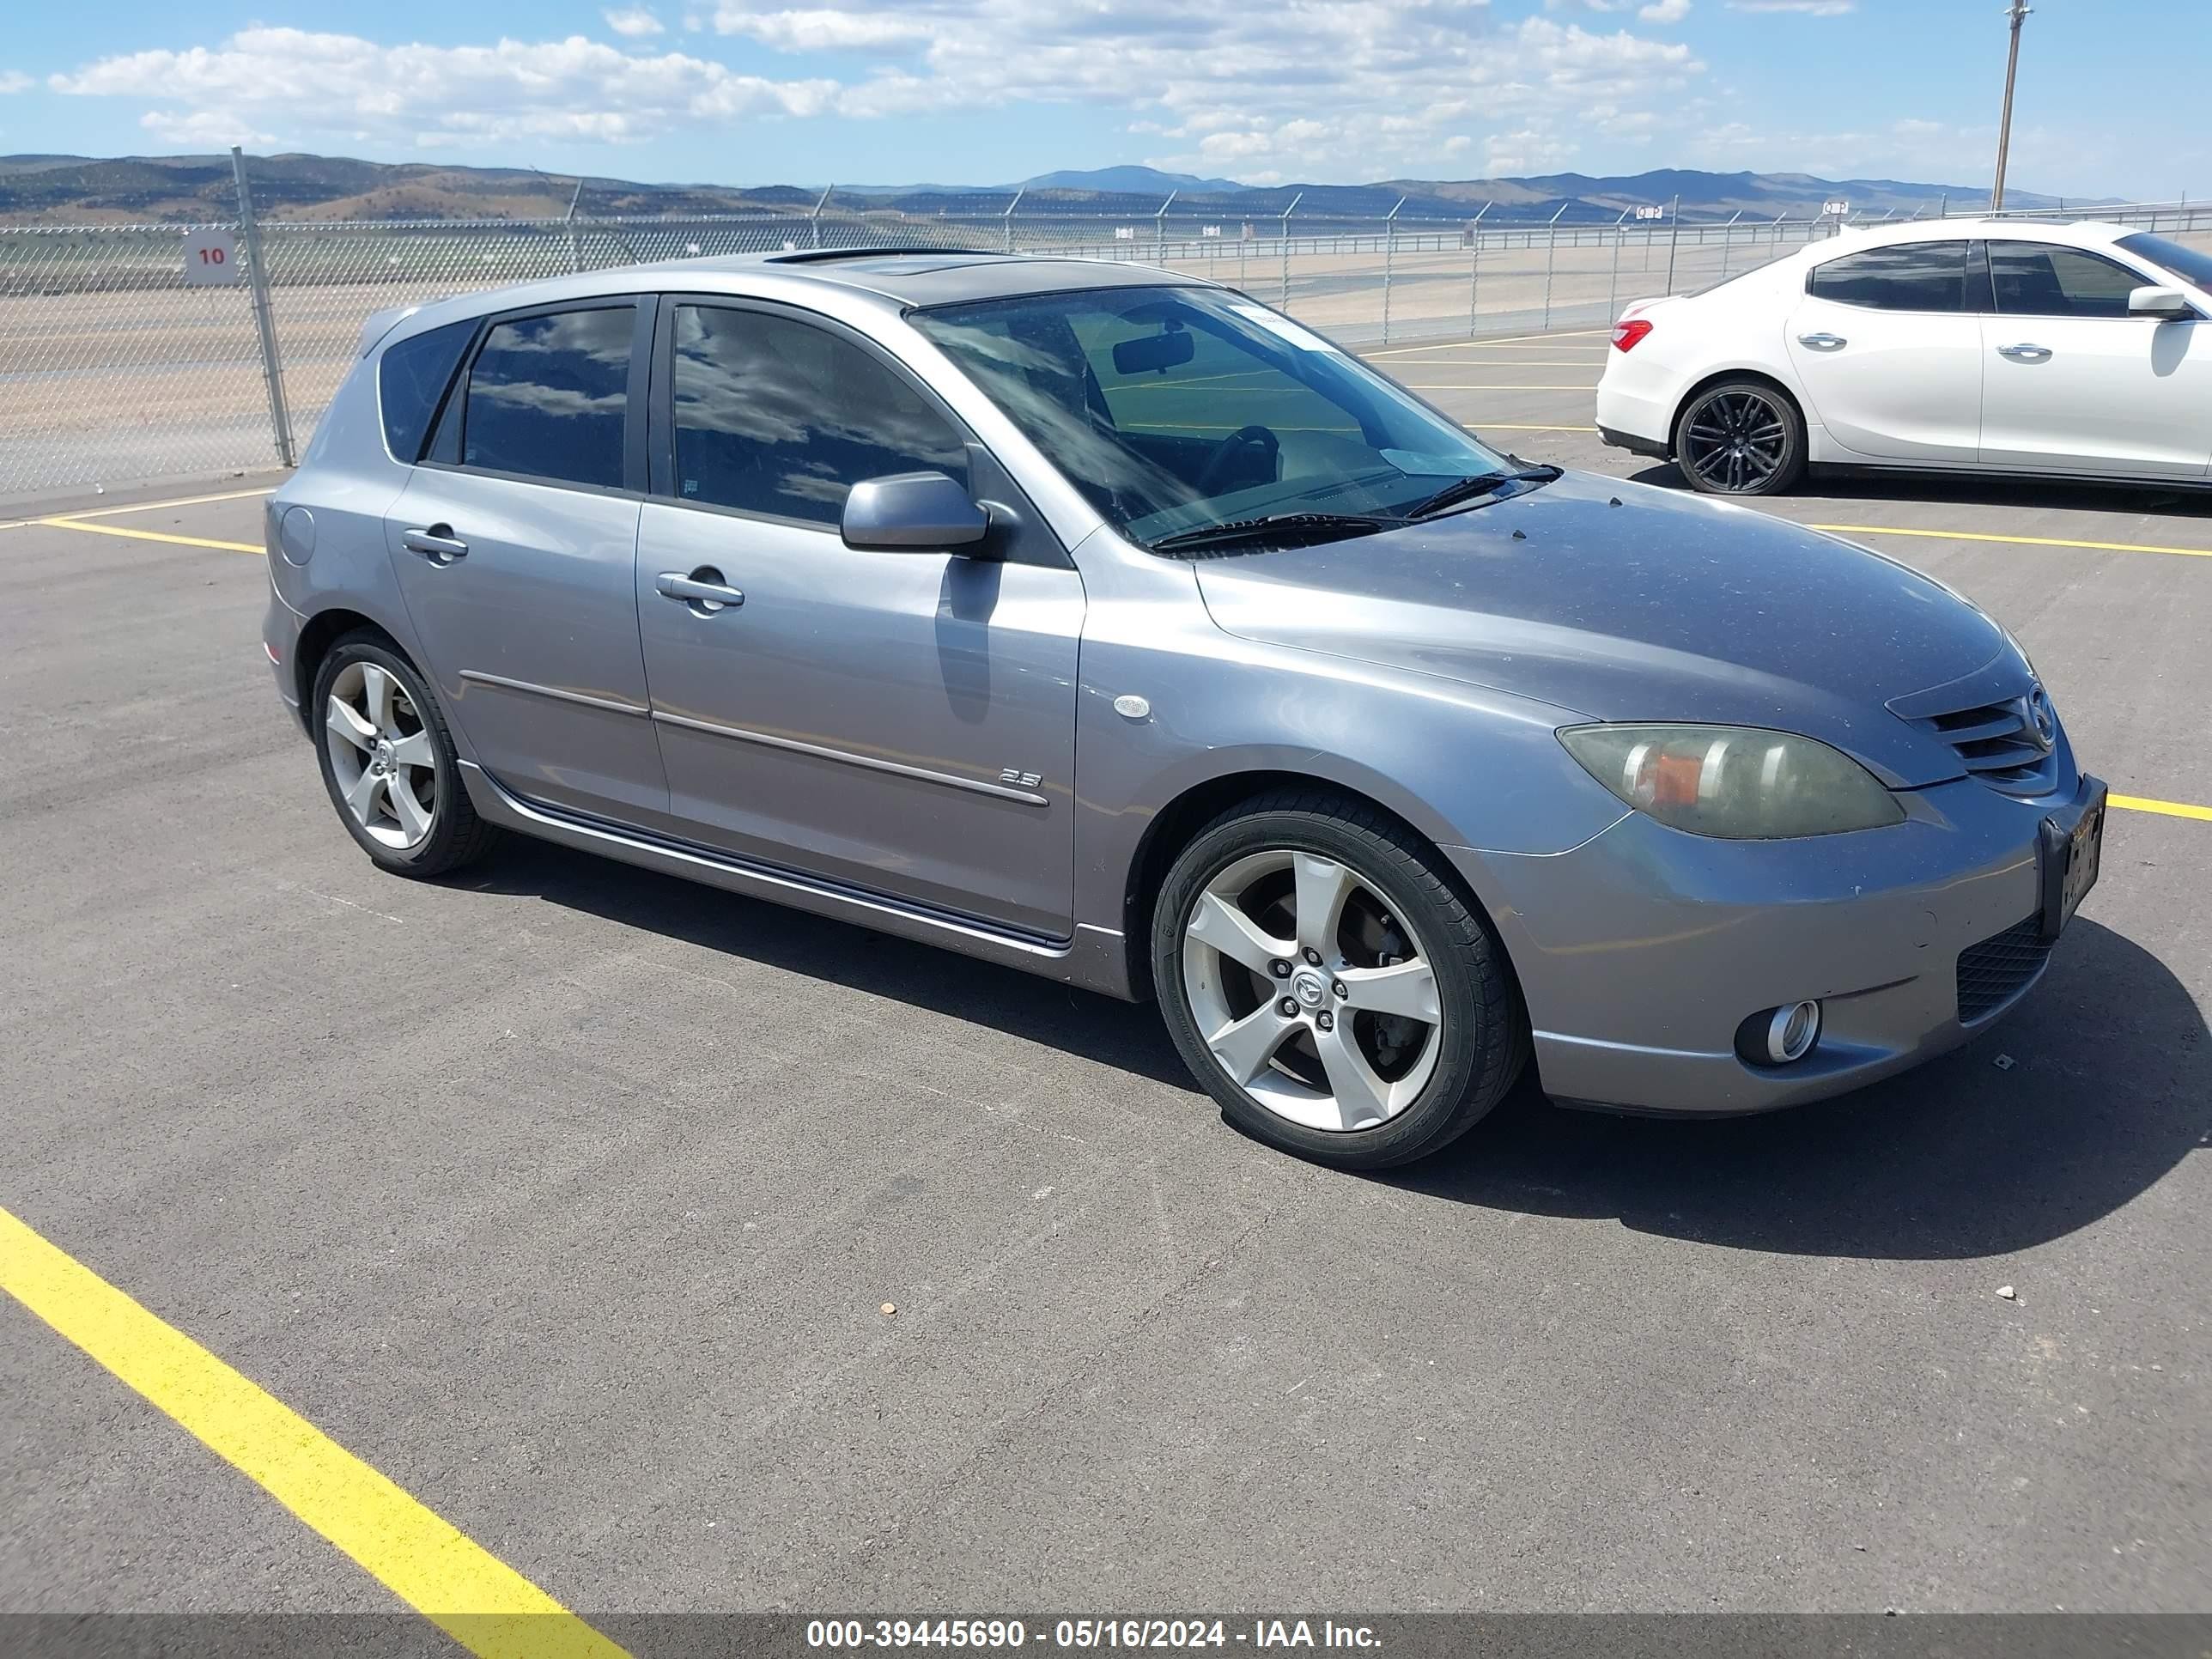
<point x="181" y="189"/>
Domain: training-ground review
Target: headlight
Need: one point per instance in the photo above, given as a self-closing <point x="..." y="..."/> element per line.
<point x="1738" y="782"/>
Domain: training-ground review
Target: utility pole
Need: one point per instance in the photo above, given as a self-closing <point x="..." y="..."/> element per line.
<point x="2018" y="13"/>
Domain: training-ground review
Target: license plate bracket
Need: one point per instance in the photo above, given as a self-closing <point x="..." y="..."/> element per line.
<point x="2072" y="852"/>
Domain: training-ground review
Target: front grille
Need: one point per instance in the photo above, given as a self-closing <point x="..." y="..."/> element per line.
<point x="1997" y="741"/>
<point x="1995" y="971"/>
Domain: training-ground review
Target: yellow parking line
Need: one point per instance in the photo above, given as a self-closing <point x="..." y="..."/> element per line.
<point x="2028" y="541"/>
<point x="2171" y="809"/>
<point x="475" y="1598"/>
<point x="146" y="535"/>
<point x="142" y="507"/>
<point x="1480" y="341"/>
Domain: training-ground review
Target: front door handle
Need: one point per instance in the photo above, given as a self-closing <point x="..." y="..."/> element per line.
<point x="703" y="590"/>
<point x="1822" y="342"/>
<point x="2026" y="353"/>
<point x="437" y="543"/>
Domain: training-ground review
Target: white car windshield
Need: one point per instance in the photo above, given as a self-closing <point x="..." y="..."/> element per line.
<point x="1175" y="409"/>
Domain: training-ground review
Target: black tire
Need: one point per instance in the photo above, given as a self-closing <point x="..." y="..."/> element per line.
<point x="456" y="835"/>
<point x="1743" y="461"/>
<point x="1484" y="1037"/>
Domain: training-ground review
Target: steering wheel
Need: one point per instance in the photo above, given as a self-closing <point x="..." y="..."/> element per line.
<point x="1226" y="451"/>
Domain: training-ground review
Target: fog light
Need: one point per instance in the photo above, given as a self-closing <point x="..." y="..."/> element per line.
<point x="1792" y="1032"/>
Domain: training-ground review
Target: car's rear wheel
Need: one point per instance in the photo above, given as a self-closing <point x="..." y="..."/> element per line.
<point x="1331" y="989"/>
<point x="389" y="762"/>
<point x="1740" y="438"/>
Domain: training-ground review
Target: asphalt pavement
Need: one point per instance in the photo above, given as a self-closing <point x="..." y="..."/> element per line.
<point x="569" y="1197"/>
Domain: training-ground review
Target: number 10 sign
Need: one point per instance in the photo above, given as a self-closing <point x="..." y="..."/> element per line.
<point x="210" y="258"/>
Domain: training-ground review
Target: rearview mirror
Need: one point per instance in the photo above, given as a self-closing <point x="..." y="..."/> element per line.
<point x="911" y="512"/>
<point x="2159" y="302"/>
<point x="1149" y="352"/>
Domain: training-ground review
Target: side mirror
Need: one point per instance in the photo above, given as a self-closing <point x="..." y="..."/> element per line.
<point x="912" y="513"/>
<point x="2160" y="302"/>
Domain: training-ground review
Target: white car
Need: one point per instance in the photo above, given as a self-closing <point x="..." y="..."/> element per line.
<point x="1992" y="345"/>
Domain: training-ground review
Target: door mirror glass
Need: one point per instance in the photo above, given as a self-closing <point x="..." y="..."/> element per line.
<point x="912" y="513"/>
<point x="2158" y="302"/>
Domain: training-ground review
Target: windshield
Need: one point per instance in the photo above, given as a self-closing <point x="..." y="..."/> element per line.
<point x="1177" y="409"/>
<point x="2193" y="266"/>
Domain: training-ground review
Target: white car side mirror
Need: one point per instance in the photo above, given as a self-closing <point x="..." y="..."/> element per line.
<point x="2159" y="302"/>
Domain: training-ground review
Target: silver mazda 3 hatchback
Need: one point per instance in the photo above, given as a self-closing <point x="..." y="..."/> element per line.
<point x="1109" y="625"/>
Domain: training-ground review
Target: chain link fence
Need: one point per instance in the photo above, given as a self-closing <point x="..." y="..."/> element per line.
<point x="121" y="362"/>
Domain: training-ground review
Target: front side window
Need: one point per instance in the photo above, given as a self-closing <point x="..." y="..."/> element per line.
<point x="411" y="378"/>
<point x="1908" y="277"/>
<point x="2193" y="266"/>
<point x="777" y="416"/>
<point x="2042" y="279"/>
<point x="548" y="397"/>
<point x="1173" y="409"/>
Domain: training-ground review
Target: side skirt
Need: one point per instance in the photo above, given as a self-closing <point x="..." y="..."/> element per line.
<point x="1095" y="959"/>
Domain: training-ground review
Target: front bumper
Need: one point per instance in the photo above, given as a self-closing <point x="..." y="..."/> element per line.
<point x="1641" y="951"/>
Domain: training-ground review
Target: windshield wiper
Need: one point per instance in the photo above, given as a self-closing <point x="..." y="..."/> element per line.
<point x="1276" y="527"/>
<point x="1481" y="484"/>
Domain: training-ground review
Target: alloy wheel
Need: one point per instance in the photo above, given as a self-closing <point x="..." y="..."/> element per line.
<point x="1735" y="440"/>
<point x="1309" y="990"/>
<point x="382" y="755"/>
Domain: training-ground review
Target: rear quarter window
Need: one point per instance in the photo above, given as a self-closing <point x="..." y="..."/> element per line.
<point x="411" y="378"/>
<point x="1904" y="277"/>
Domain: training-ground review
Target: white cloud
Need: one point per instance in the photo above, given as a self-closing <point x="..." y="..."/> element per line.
<point x="203" y="129"/>
<point x="297" y="83"/>
<point x="1319" y="89"/>
<point x="1804" y="7"/>
<point x="632" y="22"/>
<point x="1664" y="11"/>
<point x="822" y="30"/>
<point x="13" y="81"/>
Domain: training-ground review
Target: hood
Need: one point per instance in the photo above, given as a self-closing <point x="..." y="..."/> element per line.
<point x="1623" y="602"/>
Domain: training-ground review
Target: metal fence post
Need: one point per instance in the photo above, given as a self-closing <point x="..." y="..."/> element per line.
<point x="814" y="219"/>
<point x="1673" y="239"/>
<point x="1160" y="229"/>
<point x="575" y="242"/>
<point x="1612" y="293"/>
<point x="1389" y="259"/>
<point x="1550" y="252"/>
<point x="1728" y="242"/>
<point x="1287" y="212"/>
<point x="1006" y="219"/>
<point x="273" y="372"/>
<point x="1474" y="272"/>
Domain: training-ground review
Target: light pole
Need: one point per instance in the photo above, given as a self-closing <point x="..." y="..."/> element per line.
<point x="2018" y="13"/>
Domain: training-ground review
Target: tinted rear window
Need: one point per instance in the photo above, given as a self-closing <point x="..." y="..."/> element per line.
<point x="1909" y="277"/>
<point x="548" y="397"/>
<point x="411" y="378"/>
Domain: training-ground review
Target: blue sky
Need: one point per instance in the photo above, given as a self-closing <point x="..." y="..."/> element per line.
<point x="982" y="91"/>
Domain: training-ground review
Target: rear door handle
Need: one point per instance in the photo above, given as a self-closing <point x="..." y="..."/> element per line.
<point x="703" y="590"/>
<point x="438" y="543"/>
<point x="2025" y="353"/>
<point x="1822" y="342"/>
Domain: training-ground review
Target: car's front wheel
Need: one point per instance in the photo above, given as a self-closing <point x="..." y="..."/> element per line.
<point x="1740" y="438"/>
<point x="1327" y="985"/>
<point x="389" y="763"/>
